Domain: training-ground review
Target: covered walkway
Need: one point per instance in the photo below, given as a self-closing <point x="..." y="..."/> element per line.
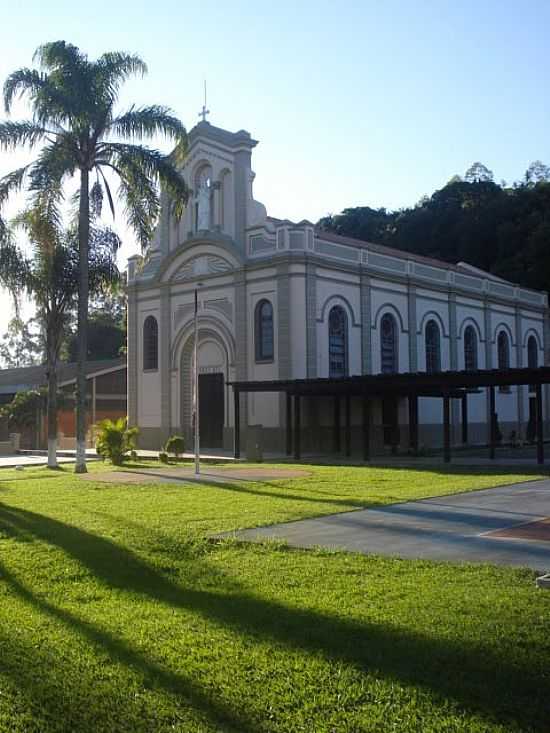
<point x="444" y="385"/>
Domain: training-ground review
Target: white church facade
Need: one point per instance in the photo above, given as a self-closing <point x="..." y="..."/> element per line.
<point x="284" y="300"/>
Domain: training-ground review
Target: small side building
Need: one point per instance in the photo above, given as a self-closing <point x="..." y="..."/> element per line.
<point x="106" y="390"/>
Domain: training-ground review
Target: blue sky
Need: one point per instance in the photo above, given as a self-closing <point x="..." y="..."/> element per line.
<point x="354" y="103"/>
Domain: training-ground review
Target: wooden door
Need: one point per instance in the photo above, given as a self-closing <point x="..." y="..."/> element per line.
<point x="211" y="410"/>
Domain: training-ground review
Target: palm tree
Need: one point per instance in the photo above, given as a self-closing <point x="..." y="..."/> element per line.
<point x="50" y="276"/>
<point x="74" y="121"/>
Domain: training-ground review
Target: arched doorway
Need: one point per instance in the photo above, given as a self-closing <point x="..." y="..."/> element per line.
<point x="213" y="374"/>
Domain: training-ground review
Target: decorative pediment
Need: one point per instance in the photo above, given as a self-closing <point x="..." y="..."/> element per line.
<point x="202" y="265"/>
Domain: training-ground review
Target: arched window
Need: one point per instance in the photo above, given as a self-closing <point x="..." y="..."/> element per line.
<point x="503" y="355"/>
<point x="263" y="326"/>
<point x="337" y="342"/>
<point x="388" y="344"/>
<point x="150" y="343"/>
<point x="532" y="353"/>
<point x="503" y="349"/>
<point x="470" y="349"/>
<point x="203" y="198"/>
<point x="433" y="347"/>
<point x="532" y="357"/>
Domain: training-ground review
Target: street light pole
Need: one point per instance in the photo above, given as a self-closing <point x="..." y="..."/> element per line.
<point x="196" y="386"/>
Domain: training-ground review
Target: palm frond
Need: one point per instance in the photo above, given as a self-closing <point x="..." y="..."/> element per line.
<point x="107" y="191"/>
<point x="146" y="122"/>
<point x="57" y="160"/>
<point x="116" y="67"/>
<point x="14" y="267"/>
<point x="156" y="166"/>
<point x="140" y="196"/>
<point x="20" y="82"/>
<point x="58" y="55"/>
<point x="16" y="134"/>
<point x="12" y="182"/>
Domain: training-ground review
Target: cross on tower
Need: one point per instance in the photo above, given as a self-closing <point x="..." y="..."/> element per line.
<point x="204" y="111"/>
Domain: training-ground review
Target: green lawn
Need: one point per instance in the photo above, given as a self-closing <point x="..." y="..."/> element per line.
<point x="117" y="614"/>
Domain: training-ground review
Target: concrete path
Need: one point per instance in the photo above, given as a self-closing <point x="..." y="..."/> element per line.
<point x="27" y="460"/>
<point x="186" y="474"/>
<point x="456" y="528"/>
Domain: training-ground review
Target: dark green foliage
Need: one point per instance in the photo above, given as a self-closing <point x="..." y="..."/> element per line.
<point x="505" y="231"/>
<point x="163" y="457"/>
<point x="105" y="340"/>
<point x="176" y="445"/>
<point x="115" y="440"/>
<point x="22" y="411"/>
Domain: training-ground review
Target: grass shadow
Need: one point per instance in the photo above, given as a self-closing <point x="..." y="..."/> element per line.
<point x="208" y="704"/>
<point x="473" y="674"/>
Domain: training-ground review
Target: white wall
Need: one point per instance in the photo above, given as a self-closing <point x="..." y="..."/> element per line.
<point x="148" y="381"/>
<point x="343" y="290"/>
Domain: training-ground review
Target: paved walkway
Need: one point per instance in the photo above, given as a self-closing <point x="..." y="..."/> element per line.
<point x="186" y="474"/>
<point x="25" y="459"/>
<point x="464" y="527"/>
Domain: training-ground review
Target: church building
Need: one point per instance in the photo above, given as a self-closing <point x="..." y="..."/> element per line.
<point x="279" y="299"/>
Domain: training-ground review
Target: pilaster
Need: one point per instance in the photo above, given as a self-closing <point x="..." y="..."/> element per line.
<point x="453" y="357"/>
<point x="216" y="195"/>
<point x="366" y="324"/>
<point x="520" y="389"/>
<point x="487" y="334"/>
<point x="165" y="381"/>
<point x="283" y="321"/>
<point x="546" y="344"/>
<point x="453" y="334"/>
<point x="311" y="320"/>
<point x="412" y="324"/>
<point x="283" y="332"/>
<point x="132" y="358"/>
<point x="488" y="358"/>
<point x="241" y="326"/>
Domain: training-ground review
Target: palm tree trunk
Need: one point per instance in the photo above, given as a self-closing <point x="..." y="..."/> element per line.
<point x="52" y="404"/>
<point x="82" y="336"/>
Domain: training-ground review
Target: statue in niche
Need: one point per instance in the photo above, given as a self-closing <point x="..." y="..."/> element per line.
<point x="203" y="203"/>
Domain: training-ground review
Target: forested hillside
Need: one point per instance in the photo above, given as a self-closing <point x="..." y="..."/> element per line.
<point x="500" y="228"/>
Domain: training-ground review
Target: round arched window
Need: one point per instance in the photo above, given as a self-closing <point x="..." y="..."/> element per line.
<point x="433" y="347"/>
<point x="150" y="343"/>
<point x="470" y="349"/>
<point x="338" y="342"/>
<point x="264" y="331"/>
<point x="388" y="344"/>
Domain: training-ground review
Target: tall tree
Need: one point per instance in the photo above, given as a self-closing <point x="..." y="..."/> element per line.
<point x="478" y="173"/>
<point x="74" y="120"/>
<point x="538" y="172"/>
<point x="50" y="276"/>
<point x="21" y="345"/>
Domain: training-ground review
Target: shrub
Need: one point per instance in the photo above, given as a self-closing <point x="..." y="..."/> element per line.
<point x="163" y="457"/>
<point x="115" y="439"/>
<point x="176" y="445"/>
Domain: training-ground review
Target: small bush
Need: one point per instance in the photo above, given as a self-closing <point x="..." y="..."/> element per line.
<point x="163" y="457"/>
<point x="176" y="445"/>
<point x="115" y="439"/>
